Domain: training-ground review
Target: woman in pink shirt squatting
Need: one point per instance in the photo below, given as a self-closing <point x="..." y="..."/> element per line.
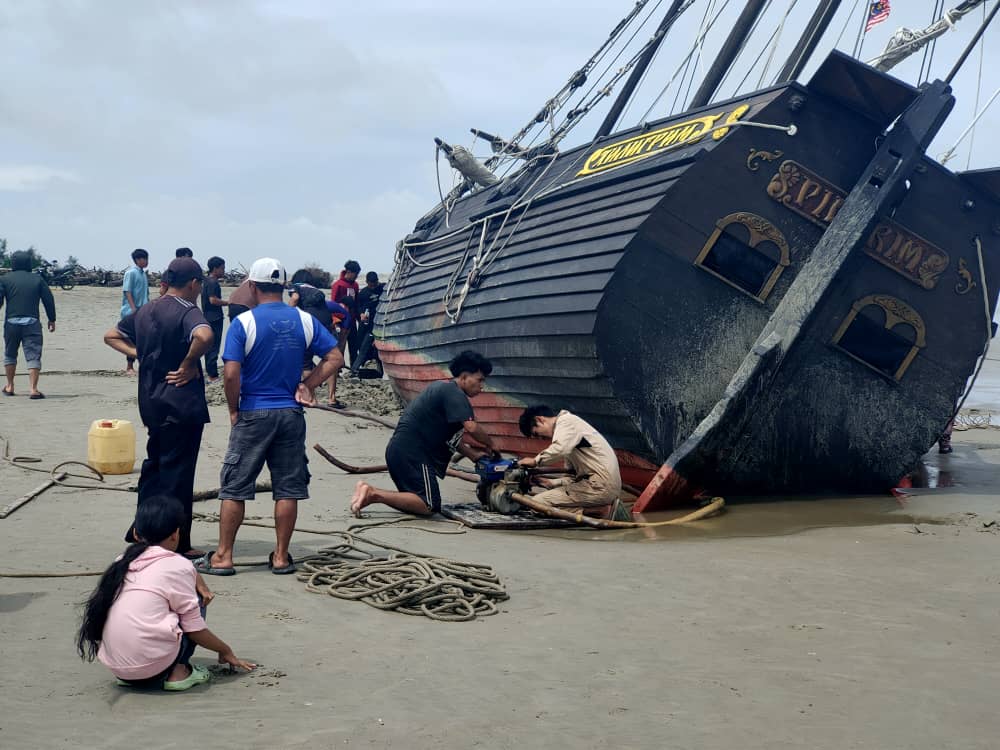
<point x="147" y="614"/>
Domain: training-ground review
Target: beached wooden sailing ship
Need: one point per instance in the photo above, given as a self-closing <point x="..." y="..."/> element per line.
<point x="775" y="293"/>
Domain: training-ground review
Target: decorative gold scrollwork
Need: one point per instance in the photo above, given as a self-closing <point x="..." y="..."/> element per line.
<point x="965" y="276"/>
<point x="752" y="164"/>
<point x="896" y="313"/>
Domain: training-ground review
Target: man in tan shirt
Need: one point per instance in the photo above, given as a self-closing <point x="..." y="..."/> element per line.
<point x="595" y="482"/>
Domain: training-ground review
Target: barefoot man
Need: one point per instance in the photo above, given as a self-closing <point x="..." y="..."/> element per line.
<point x="429" y="431"/>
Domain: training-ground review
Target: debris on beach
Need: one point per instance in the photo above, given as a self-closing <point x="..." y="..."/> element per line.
<point x="372" y="396"/>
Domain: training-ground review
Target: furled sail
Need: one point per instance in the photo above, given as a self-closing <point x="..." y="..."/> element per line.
<point x="905" y="41"/>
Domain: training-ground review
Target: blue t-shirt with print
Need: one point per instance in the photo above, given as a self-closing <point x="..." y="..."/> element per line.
<point x="270" y="341"/>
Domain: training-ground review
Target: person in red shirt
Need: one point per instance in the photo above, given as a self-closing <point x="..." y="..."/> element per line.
<point x="345" y="291"/>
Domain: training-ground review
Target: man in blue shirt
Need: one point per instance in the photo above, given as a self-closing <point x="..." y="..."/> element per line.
<point x="265" y="392"/>
<point x="135" y="293"/>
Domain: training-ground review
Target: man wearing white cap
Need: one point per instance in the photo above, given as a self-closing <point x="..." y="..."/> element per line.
<point x="263" y="357"/>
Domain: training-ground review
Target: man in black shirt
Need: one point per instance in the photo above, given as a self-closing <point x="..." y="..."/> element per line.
<point x="169" y="337"/>
<point x="23" y="291"/>
<point x="429" y="431"/>
<point x="368" y="301"/>
<point x="212" y="304"/>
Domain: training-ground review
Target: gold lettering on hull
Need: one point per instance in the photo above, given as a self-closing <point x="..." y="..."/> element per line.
<point x="649" y="144"/>
<point x="807" y="194"/>
<point x="815" y="199"/>
<point x="907" y="254"/>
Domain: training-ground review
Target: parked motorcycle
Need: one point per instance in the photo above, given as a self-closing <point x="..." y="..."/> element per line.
<point x="64" y="276"/>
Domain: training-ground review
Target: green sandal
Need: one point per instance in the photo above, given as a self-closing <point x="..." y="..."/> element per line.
<point x="198" y="676"/>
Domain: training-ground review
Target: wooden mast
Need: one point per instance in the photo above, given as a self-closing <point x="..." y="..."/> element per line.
<point x="806" y="45"/>
<point x="640" y="68"/>
<point x="727" y="55"/>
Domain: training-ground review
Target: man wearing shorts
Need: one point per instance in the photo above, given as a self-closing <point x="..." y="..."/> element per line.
<point x="23" y="290"/>
<point x="429" y="431"/>
<point x="265" y="393"/>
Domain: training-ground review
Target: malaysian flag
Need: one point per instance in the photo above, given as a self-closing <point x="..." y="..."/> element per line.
<point x="878" y="11"/>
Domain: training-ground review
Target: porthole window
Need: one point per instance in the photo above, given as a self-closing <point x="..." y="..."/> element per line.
<point x="883" y="333"/>
<point x="746" y="251"/>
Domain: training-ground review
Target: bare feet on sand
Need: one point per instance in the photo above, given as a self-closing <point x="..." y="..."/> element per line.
<point x="362" y="496"/>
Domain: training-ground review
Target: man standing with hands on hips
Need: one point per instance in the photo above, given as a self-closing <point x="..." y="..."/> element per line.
<point x="263" y="355"/>
<point x="169" y="337"/>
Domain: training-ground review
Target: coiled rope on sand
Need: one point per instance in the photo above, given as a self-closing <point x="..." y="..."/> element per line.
<point x="433" y="587"/>
<point x="391" y="578"/>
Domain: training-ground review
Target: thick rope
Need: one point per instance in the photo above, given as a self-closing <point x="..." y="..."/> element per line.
<point x="437" y="588"/>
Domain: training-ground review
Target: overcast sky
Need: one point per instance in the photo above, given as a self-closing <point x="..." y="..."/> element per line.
<point x="304" y="130"/>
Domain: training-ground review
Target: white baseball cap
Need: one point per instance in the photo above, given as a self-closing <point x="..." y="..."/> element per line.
<point x="268" y="271"/>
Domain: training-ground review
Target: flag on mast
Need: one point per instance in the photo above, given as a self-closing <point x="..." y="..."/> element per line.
<point x="878" y="11"/>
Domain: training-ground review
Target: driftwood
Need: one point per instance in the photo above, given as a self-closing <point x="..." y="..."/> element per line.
<point x="356" y="415"/>
<point x="373" y="469"/>
<point x="551" y="511"/>
<point x="377" y="468"/>
<point x="214" y="492"/>
<point x="27" y="498"/>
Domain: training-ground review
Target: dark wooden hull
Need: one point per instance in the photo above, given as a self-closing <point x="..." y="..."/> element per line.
<point x="624" y="295"/>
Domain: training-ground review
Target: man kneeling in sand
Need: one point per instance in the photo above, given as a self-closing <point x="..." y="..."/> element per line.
<point x="595" y="482"/>
<point x="429" y="431"/>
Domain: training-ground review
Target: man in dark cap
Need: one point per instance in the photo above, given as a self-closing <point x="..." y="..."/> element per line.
<point x="169" y="337"/>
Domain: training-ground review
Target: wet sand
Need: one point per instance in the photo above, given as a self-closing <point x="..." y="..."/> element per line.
<point x="843" y="623"/>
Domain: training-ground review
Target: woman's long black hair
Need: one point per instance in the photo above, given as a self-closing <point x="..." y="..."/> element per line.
<point x="155" y="520"/>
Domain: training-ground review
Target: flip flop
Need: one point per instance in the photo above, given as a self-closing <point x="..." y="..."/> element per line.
<point x="290" y="568"/>
<point x="36" y="396"/>
<point x="6" y="392"/>
<point x="336" y="404"/>
<point x="198" y="676"/>
<point x="204" y="565"/>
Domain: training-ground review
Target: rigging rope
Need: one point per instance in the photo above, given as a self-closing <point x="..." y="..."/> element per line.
<point x="749" y="36"/>
<point x="904" y="42"/>
<point x="947" y="155"/>
<point x="847" y="22"/>
<point x="557" y="102"/>
<point x="928" y="57"/>
<point x="684" y="65"/>
<point x="774" y="46"/>
<point x="699" y="46"/>
<point x="979" y="90"/>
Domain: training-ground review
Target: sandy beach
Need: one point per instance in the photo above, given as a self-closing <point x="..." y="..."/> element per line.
<point x="790" y="623"/>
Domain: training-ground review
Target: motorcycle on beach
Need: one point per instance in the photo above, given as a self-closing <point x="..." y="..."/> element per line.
<point x="65" y="276"/>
